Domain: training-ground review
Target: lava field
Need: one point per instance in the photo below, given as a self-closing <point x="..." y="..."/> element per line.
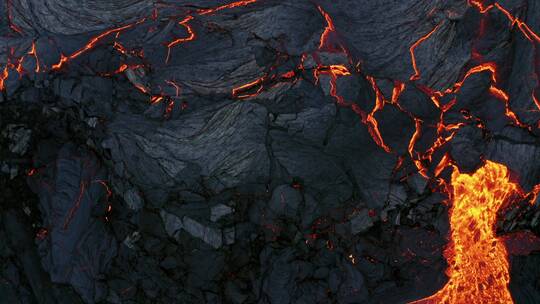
<point x="269" y="151"/>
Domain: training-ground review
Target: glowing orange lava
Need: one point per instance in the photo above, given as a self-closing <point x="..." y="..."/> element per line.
<point x="478" y="267"/>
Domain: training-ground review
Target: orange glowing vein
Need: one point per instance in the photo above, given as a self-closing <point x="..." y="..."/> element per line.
<point x="373" y="125"/>
<point x="33" y="53"/>
<point x="330" y="28"/>
<point x="535" y="100"/>
<point x="191" y="33"/>
<point x="336" y="71"/>
<point x="523" y="27"/>
<point x="413" y="47"/>
<point x="92" y="43"/>
<point x="225" y="6"/>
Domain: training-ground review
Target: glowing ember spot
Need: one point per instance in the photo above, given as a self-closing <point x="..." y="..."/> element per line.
<point x="92" y="43"/>
<point x="31" y="172"/>
<point x="478" y="264"/>
<point x="122" y="68"/>
<point x="413" y="47"/>
<point x="42" y="234"/>
<point x="226" y="6"/>
<point x="156" y="99"/>
<point x="119" y="47"/>
<point x="141" y="88"/>
<point x="288" y="75"/>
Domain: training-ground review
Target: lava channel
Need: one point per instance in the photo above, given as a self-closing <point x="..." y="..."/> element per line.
<point x="478" y="267"/>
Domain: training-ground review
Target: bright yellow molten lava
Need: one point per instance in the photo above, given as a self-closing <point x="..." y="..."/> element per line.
<point x="477" y="260"/>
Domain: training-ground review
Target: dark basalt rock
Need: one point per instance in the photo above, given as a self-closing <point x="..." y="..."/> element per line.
<point x="256" y="151"/>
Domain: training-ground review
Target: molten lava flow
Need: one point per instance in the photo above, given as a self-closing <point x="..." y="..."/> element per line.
<point x="478" y="268"/>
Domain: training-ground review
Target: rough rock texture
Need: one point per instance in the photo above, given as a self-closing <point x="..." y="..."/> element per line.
<point x="257" y="151"/>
